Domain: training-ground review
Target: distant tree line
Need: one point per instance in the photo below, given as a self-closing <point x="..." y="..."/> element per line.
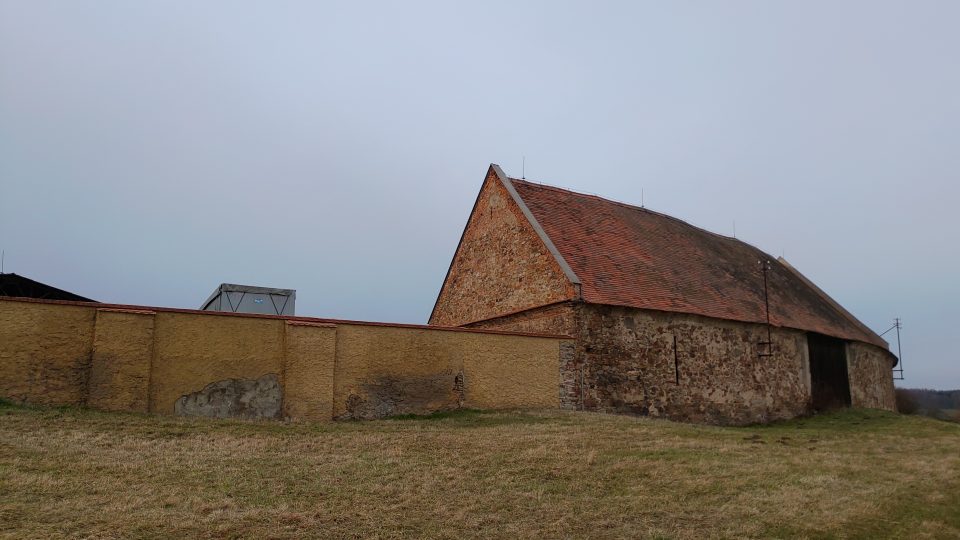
<point x="944" y="404"/>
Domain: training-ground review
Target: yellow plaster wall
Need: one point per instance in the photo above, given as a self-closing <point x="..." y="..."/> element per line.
<point x="308" y="374"/>
<point x="136" y="359"/>
<point x="194" y="350"/>
<point x="45" y="352"/>
<point x="511" y="372"/>
<point x="122" y="355"/>
<point x="384" y="371"/>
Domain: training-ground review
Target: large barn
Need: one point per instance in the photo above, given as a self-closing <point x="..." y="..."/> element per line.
<point x="670" y="320"/>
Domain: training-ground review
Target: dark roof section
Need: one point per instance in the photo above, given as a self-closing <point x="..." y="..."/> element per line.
<point x="630" y="256"/>
<point x="19" y="286"/>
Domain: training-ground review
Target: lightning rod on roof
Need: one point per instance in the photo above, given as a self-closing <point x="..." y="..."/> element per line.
<point x="3" y="255"/>
<point x="898" y="369"/>
<point x="523" y="169"/>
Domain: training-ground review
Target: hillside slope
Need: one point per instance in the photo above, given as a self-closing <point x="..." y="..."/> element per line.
<point x="77" y="473"/>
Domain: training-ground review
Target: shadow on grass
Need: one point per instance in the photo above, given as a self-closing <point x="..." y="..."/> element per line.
<point x="10" y="405"/>
<point x="855" y="421"/>
<point x="472" y="418"/>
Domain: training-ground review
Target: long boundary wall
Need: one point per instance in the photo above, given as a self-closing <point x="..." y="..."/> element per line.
<point x="169" y="361"/>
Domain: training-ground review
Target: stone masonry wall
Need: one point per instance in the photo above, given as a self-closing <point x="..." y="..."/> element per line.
<point x="501" y="265"/>
<point x="690" y="368"/>
<point x="624" y="362"/>
<point x="870" y="370"/>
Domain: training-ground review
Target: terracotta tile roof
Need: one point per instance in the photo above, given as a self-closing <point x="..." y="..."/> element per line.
<point x="629" y="256"/>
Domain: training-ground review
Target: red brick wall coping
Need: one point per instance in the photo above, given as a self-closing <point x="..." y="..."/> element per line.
<point x="294" y="320"/>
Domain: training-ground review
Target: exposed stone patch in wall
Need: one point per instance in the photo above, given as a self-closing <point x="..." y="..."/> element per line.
<point x="501" y="265"/>
<point x="870" y="370"/>
<point x="192" y="350"/>
<point x="235" y="398"/>
<point x="391" y="396"/>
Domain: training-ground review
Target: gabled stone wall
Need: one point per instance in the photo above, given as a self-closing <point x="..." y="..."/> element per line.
<point x="501" y="265"/>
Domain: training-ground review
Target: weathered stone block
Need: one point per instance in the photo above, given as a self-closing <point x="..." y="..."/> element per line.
<point x="235" y="398"/>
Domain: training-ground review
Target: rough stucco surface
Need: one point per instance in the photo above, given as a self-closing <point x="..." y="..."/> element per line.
<point x="309" y="371"/>
<point x="501" y="265"/>
<point x="122" y="356"/>
<point x="45" y="352"/>
<point x="258" y="399"/>
<point x="871" y="377"/>
<point x="212" y="364"/>
<point x="195" y="350"/>
<point x="511" y="373"/>
<point x="557" y="319"/>
<point x="389" y="371"/>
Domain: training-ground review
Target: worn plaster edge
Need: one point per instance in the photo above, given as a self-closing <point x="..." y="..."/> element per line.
<point x="338" y="322"/>
<point x="544" y="237"/>
<point x="311" y="324"/>
<point x="128" y="311"/>
<point x="522" y="311"/>
<point x="232" y="379"/>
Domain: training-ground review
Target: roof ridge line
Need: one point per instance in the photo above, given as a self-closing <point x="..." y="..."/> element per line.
<point x="642" y="209"/>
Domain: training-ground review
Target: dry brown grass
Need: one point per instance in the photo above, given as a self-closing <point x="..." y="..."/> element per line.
<point x="76" y="473"/>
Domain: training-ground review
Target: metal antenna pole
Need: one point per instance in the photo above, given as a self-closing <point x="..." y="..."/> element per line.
<point x="766" y="299"/>
<point x="899" y="351"/>
<point x="765" y="266"/>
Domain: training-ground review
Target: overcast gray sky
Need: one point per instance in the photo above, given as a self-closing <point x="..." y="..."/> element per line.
<point x="151" y="150"/>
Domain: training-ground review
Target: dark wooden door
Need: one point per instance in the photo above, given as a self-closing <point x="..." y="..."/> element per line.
<point x="829" y="382"/>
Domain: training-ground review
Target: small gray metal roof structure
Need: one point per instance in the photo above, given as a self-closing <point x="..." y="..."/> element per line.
<point x="234" y="298"/>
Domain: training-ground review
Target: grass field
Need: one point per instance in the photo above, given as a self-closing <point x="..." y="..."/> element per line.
<point x="857" y="474"/>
